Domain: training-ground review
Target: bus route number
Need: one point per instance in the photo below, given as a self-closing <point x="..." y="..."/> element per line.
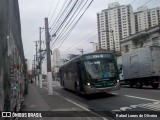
<point x="98" y="56"/>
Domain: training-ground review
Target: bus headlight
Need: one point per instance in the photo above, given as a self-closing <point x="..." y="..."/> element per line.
<point x="117" y="81"/>
<point x="88" y="84"/>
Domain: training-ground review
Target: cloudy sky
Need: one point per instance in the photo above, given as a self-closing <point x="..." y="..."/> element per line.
<point x="33" y="12"/>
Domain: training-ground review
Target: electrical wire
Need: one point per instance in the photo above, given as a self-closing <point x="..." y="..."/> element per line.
<point x="76" y="45"/>
<point x="54" y="10"/>
<point x="64" y="38"/>
<point x="67" y="16"/>
<point x="50" y="7"/>
<point x="81" y="40"/>
<point x="64" y="10"/>
<point x="68" y="25"/>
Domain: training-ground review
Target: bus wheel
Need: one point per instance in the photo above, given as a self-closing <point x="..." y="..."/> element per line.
<point x="131" y="85"/>
<point x="139" y="85"/>
<point x="155" y="85"/>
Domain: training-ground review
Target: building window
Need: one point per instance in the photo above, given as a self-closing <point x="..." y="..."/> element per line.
<point x="126" y="48"/>
<point x="141" y="44"/>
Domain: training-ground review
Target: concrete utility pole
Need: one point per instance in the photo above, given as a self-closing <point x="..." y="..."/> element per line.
<point x="40" y="59"/>
<point x="36" y="63"/>
<point x="49" y="73"/>
<point x="36" y="48"/>
<point x="36" y="81"/>
<point x="32" y="69"/>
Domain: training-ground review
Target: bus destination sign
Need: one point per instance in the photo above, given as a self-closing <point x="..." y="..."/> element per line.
<point x="96" y="56"/>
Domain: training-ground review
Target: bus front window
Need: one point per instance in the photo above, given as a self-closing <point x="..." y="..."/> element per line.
<point x="100" y="69"/>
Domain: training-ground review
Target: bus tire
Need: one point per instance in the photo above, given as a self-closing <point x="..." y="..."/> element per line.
<point x="139" y="85"/>
<point x="131" y="84"/>
<point x="155" y="85"/>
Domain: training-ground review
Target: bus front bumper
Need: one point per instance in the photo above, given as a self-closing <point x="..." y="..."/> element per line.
<point x="91" y="90"/>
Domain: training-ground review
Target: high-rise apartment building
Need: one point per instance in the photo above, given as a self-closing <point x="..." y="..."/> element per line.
<point x="56" y="60"/>
<point x="114" y="24"/>
<point x="146" y="18"/>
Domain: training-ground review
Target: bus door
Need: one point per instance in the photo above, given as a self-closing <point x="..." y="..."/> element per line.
<point x="80" y="71"/>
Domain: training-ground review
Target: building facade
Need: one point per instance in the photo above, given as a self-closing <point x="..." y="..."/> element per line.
<point x="146" y="18"/>
<point x="56" y="61"/>
<point x="114" y="24"/>
<point x="141" y="39"/>
<point x="95" y="46"/>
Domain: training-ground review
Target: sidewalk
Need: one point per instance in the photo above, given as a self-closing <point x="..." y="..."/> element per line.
<point x="39" y="100"/>
<point x="34" y="101"/>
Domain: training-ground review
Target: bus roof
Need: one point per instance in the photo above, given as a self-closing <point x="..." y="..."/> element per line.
<point x="78" y="58"/>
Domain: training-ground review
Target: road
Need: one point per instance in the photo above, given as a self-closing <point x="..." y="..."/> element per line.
<point x="126" y="99"/>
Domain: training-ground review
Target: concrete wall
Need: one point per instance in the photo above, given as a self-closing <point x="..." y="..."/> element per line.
<point x="10" y="31"/>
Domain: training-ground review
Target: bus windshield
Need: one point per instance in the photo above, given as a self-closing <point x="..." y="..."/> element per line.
<point x="100" y="68"/>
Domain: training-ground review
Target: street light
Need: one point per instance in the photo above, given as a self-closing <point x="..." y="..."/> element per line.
<point x="81" y="50"/>
<point x="111" y="31"/>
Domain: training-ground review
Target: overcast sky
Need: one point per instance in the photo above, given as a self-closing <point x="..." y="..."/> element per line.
<point x="33" y="12"/>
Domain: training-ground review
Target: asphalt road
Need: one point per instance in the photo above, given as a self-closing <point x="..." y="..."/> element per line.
<point x="126" y="99"/>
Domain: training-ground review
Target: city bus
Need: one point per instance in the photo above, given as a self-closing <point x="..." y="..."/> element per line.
<point x="90" y="73"/>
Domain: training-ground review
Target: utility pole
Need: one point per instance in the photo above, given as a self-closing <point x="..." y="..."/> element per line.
<point x="49" y="73"/>
<point x="40" y="59"/>
<point x="35" y="69"/>
<point x="81" y="50"/>
<point x="34" y="65"/>
<point x="32" y="69"/>
<point x="36" y="48"/>
<point x="36" y="72"/>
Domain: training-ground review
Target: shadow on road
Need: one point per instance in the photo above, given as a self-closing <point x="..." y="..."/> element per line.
<point x="144" y="87"/>
<point x="93" y="96"/>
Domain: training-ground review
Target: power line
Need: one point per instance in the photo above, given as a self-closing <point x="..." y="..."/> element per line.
<point x="67" y="16"/>
<point x="55" y="22"/>
<point x="132" y="2"/>
<point x="50" y="7"/>
<point x="71" y="49"/>
<point x="65" y="37"/>
<point x="85" y="37"/>
<point x="155" y="3"/>
<point x="54" y="10"/>
<point x="146" y="2"/>
<point x="69" y="21"/>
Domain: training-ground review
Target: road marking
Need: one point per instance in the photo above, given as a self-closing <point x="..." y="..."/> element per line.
<point x="114" y="93"/>
<point x="71" y="101"/>
<point x="155" y="106"/>
<point x="142" y="98"/>
<point x="79" y="105"/>
<point x="152" y="106"/>
<point x="125" y="108"/>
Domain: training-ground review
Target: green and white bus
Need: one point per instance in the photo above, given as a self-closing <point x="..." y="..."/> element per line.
<point x="91" y="73"/>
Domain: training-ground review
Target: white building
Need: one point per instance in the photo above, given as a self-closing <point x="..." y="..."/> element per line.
<point x="56" y="60"/>
<point x="146" y="18"/>
<point x="141" y="39"/>
<point x="95" y="46"/>
<point x="114" y="24"/>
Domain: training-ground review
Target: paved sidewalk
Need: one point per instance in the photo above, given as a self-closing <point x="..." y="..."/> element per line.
<point x="34" y="101"/>
<point x="38" y="100"/>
